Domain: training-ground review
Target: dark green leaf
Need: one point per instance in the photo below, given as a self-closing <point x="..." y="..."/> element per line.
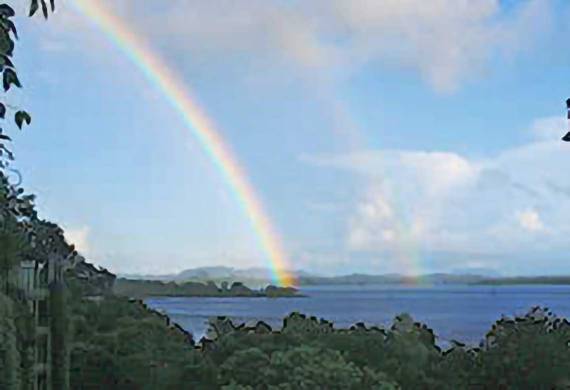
<point x="10" y="77"/>
<point x="44" y="9"/>
<point x="21" y="117"/>
<point x="6" y="11"/>
<point x="6" y="43"/>
<point x="6" y="61"/>
<point x="2" y="136"/>
<point x="2" y="110"/>
<point x="34" y="7"/>
<point x="52" y="2"/>
<point x="10" y="26"/>
<point x="4" y="149"/>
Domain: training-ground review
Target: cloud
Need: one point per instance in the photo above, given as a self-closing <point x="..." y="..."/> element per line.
<point x="530" y="220"/>
<point x="549" y="129"/>
<point x="434" y="202"/>
<point x="78" y="237"/>
<point x="446" y="41"/>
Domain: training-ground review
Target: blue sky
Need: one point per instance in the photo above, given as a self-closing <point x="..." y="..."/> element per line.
<point x="382" y="136"/>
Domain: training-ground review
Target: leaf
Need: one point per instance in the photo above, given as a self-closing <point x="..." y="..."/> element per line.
<point x="3" y="136"/>
<point x="11" y="27"/>
<point x="52" y="3"/>
<point x="2" y="110"/>
<point x="21" y="117"/>
<point x="6" y="61"/>
<point x="4" y="149"/>
<point x="6" y="43"/>
<point x="6" y="11"/>
<point x="10" y="77"/>
<point x="33" y="7"/>
<point x="44" y="9"/>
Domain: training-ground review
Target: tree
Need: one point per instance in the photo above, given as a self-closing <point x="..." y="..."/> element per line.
<point x="301" y="367"/>
<point x="12" y="247"/>
<point x="9" y="355"/>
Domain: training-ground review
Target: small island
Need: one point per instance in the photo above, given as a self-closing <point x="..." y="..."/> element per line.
<point x="155" y="288"/>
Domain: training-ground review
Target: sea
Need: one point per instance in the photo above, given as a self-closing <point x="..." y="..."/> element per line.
<point x="454" y="312"/>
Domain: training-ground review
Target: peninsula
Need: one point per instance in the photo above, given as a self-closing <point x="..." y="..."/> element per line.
<point x="156" y="288"/>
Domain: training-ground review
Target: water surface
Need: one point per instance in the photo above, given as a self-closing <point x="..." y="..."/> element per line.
<point x="454" y="312"/>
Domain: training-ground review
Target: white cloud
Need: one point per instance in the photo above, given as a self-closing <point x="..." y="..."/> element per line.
<point x="515" y="202"/>
<point x="530" y="220"/>
<point x="550" y="128"/>
<point x="78" y="237"/>
<point x="445" y="41"/>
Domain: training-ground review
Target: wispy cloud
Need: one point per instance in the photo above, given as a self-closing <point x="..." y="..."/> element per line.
<point x="446" y="41"/>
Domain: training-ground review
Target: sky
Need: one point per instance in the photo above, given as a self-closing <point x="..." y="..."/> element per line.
<point x="381" y="135"/>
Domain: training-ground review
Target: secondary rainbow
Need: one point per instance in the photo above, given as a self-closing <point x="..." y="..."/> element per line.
<point x="164" y="79"/>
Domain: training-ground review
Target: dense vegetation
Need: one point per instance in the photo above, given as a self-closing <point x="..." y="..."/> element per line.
<point x="116" y="343"/>
<point x="121" y="345"/>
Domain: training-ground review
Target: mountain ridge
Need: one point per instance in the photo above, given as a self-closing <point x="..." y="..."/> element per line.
<point x="259" y="276"/>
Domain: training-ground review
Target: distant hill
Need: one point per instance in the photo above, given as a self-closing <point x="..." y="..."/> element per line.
<point x="488" y="272"/>
<point x="259" y="277"/>
<point x="206" y="273"/>
<point x="522" y="280"/>
<point x="393" y="279"/>
<point x="254" y="277"/>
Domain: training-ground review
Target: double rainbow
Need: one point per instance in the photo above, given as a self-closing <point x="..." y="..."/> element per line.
<point x="195" y="119"/>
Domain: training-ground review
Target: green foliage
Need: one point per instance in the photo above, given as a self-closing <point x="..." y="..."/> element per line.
<point x="119" y="344"/>
<point x="8" y="35"/>
<point x="528" y="352"/>
<point x="9" y="354"/>
<point x="12" y="247"/>
<point x="531" y="351"/>
<point x="22" y="117"/>
<point x="35" y="5"/>
<point x="301" y="367"/>
<point x="16" y="344"/>
<point x="10" y="78"/>
<point x="156" y="288"/>
<point x="60" y="330"/>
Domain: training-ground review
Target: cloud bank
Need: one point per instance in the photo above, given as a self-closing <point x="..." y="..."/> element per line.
<point x="515" y="203"/>
<point x="446" y="42"/>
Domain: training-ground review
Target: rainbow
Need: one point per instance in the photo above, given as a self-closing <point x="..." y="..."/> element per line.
<point x="159" y="74"/>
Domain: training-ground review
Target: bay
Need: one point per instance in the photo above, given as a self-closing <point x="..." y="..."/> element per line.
<point x="463" y="313"/>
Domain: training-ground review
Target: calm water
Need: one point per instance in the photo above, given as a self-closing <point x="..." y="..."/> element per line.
<point x="454" y="312"/>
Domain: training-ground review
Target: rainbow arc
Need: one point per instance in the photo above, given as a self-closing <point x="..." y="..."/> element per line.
<point x="159" y="74"/>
